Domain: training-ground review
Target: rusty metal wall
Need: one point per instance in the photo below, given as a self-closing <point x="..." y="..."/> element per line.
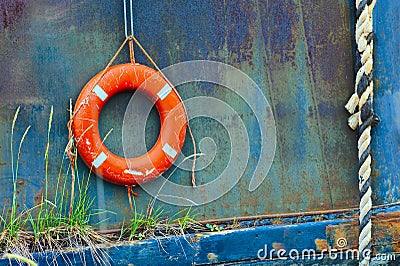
<point x="298" y="52"/>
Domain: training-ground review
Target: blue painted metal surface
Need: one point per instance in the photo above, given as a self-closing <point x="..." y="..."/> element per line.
<point x="299" y="52"/>
<point x="386" y="138"/>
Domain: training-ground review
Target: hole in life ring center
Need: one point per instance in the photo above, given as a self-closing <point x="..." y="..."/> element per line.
<point x="142" y="127"/>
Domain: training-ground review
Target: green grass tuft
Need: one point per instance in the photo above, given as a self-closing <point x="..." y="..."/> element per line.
<point x="12" y="224"/>
<point x="188" y="218"/>
<point x="54" y="227"/>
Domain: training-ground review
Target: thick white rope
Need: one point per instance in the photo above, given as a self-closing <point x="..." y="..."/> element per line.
<point x="363" y="118"/>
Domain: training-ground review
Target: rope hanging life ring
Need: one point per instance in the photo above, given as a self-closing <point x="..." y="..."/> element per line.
<point x="173" y="119"/>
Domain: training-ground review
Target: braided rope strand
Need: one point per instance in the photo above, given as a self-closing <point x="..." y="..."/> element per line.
<point x="363" y="119"/>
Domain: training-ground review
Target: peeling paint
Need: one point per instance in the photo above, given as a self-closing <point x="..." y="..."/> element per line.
<point x="212" y="257"/>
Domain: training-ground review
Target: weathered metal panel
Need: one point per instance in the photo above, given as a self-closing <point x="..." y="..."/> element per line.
<point x="298" y="52"/>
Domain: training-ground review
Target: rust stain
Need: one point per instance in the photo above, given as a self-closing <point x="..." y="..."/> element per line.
<point x="395" y="246"/>
<point x="321" y="244"/>
<point x="387" y="216"/>
<point x="11" y="10"/>
<point x="348" y="231"/>
<point x="278" y="246"/>
<point x="194" y="239"/>
<point x="38" y="197"/>
<point x="212" y="257"/>
<point x="386" y="232"/>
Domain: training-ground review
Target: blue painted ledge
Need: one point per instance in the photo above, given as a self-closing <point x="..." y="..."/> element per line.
<point x="232" y="247"/>
<point x="199" y="249"/>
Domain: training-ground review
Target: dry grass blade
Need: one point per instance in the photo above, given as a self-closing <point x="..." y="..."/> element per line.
<point x="20" y="258"/>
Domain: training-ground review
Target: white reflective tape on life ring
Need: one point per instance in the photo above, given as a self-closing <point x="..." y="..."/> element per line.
<point x="100" y="92"/>
<point x="132" y="172"/>
<point x="169" y="151"/>
<point x="99" y="160"/>
<point x="164" y="92"/>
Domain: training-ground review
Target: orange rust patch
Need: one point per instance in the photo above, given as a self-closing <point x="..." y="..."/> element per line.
<point x="321" y="244"/>
<point x="194" y="239"/>
<point x="212" y="257"/>
<point x="386" y="232"/>
<point x="278" y="246"/>
<point x="348" y="231"/>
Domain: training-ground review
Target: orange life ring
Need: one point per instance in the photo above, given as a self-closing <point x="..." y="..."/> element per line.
<point x="104" y="163"/>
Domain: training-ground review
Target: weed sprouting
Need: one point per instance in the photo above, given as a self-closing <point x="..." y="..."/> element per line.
<point x="187" y="219"/>
<point x="136" y="222"/>
<point x="154" y="219"/>
<point x="12" y="224"/>
<point x="53" y="227"/>
<point x="214" y="227"/>
<point x="157" y="224"/>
